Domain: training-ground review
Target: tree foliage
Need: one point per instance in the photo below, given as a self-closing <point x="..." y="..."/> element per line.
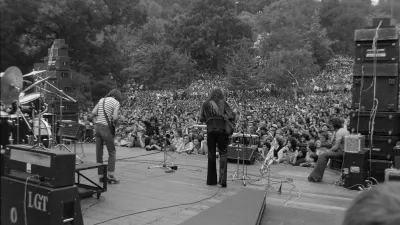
<point x="158" y="66"/>
<point x="209" y="33"/>
<point x="290" y="68"/>
<point x="241" y="70"/>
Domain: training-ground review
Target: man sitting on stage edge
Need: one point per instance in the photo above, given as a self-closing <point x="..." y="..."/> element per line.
<point x="335" y="152"/>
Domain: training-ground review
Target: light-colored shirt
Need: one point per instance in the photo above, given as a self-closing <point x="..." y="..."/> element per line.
<point x="340" y="134"/>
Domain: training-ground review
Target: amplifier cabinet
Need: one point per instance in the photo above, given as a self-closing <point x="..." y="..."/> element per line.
<point x="386" y="51"/>
<point x="236" y="151"/>
<point x="386" y="123"/>
<point x="58" y="63"/>
<point x="382" y="146"/>
<point x="44" y="205"/>
<point x="62" y="51"/>
<point x="384" y="34"/>
<point x="71" y="130"/>
<point x="387" y="93"/>
<point x="355" y="169"/>
<point x="378" y="168"/>
<point x="55" y="168"/>
<point x="67" y="107"/>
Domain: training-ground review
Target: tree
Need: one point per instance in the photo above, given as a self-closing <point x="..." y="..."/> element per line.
<point x="289" y="68"/>
<point x="290" y="24"/>
<point x="241" y="70"/>
<point x="155" y="10"/>
<point x="209" y="32"/>
<point x="158" y="66"/>
<point x="153" y="31"/>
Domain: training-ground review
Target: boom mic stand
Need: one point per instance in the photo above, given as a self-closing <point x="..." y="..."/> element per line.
<point x="241" y="147"/>
<point x="163" y="164"/>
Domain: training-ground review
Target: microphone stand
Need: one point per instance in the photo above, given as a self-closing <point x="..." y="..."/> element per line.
<point x="163" y="164"/>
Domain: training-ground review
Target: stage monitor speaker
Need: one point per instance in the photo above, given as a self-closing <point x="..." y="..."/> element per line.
<point x="246" y="153"/>
<point x="43" y="205"/>
<point x="392" y="175"/>
<point x="71" y="130"/>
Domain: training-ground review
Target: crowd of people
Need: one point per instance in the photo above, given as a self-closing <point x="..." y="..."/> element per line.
<point x="298" y="131"/>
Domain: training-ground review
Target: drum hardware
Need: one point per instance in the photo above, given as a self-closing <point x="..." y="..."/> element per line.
<point x="36" y="83"/>
<point x="34" y="73"/>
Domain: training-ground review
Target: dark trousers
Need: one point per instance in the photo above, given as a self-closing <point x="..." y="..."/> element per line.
<point x="221" y="140"/>
<point x="103" y="135"/>
<point x="320" y="166"/>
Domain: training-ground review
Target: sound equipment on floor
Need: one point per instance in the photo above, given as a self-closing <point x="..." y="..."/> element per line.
<point x="354" y="143"/>
<point x="246" y="153"/>
<point x="378" y="168"/>
<point x="355" y="170"/>
<point x="71" y="130"/>
<point x="27" y="203"/>
<point x="392" y="175"/>
<point x="53" y="168"/>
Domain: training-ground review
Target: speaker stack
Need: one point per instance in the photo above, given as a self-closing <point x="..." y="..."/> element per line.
<point x="59" y="70"/>
<point x="376" y="74"/>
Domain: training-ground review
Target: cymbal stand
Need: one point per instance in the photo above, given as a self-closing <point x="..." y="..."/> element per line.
<point x="163" y="164"/>
<point x="61" y="145"/>
<point x="39" y="140"/>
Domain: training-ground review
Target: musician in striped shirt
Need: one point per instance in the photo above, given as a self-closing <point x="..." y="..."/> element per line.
<point x="107" y="111"/>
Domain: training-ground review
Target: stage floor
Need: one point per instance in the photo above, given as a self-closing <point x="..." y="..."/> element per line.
<point x="142" y="189"/>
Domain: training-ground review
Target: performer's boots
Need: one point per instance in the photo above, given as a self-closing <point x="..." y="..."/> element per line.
<point x="223" y="168"/>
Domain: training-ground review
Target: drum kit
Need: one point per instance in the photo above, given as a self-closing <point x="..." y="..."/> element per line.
<point x="23" y="118"/>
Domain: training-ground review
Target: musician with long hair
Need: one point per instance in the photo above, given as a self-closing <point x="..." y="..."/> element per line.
<point x="216" y="113"/>
<point x="107" y="110"/>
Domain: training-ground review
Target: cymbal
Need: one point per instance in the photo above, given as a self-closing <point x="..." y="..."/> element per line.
<point x="11" y="85"/>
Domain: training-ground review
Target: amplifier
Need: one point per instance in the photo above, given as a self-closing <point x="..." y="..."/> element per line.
<point x="71" y="130"/>
<point x="354" y="143"/>
<point x="54" y="168"/>
<point x="382" y="146"/>
<point x="378" y="168"/>
<point x="43" y="205"/>
<point x="386" y="123"/>
<point x="392" y="175"/>
<point x="355" y="169"/>
<point x="386" y="51"/>
<point x="68" y="107"/>
<point x="236" y="151"/>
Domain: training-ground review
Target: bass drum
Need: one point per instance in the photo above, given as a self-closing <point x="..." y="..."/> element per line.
<point x="20" y="130"/>
<point x="5" y="128"/>
<point x="45" y="130"/>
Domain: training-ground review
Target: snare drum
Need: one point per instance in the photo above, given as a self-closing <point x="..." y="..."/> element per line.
<point x="35" y="100"/>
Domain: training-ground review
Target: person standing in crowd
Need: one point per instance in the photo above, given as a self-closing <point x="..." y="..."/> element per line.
<point x="214" y="113"/>
<point x="107" y="111"/>
<point x="335" y="152"/>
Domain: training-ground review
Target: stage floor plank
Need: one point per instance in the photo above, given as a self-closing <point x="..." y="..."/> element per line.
<point x="143" y="189"/>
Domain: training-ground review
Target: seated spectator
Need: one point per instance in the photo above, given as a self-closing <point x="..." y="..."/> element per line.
<point x="203" y="145"/>
<point x="137" y="140"/>
<point x="177" y="140"/>
<point x="323" y="143"/>
<point x="154" y="144"/>
<point x="186" y="146"/>
<point x="311" y="156"/>
<point x="197" y="146"/>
